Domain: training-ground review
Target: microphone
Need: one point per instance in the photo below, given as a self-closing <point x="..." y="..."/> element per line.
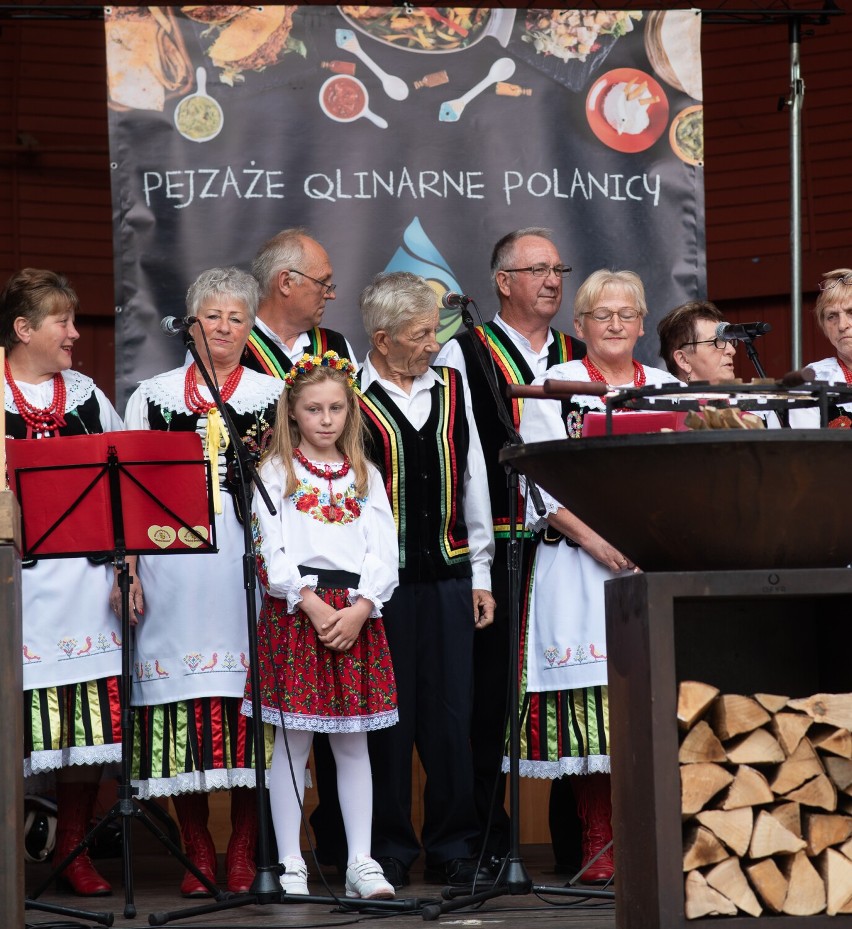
<point x="744" y="332"/>
<point x="454" y="301"/>
<point x="172" y="325"/>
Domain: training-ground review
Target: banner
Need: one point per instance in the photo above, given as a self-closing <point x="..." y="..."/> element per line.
<point x="403" y="138"/>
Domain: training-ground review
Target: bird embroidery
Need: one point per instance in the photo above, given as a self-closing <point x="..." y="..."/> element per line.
<point x="564" y="661"/>
<point x="211" y="664"/>
<point x="30" y="656"/>
<point x="162" y="672"/>
<point x="87" y="647"/>
<point x="116" y="640"/>
<point x="595" y="654"/>
<point x="243" y="661"/>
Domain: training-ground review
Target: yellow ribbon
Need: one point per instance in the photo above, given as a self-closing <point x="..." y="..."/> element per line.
<point x="217" y="441"/>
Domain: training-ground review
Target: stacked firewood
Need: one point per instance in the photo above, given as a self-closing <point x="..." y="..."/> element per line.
<point x="766" y="800"/>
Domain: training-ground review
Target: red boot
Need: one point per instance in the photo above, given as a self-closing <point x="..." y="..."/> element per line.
<point x="240" y="858"/>
<point x="192" y="811"/>
<point x="75" y="802"/>
<point x="594" y="807"/>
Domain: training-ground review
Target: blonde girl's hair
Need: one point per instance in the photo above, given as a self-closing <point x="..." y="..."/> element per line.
<point x="286" y="437"/>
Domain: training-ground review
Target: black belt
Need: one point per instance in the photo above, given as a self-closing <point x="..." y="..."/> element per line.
<point x="552" y="536"/>
<point x="331" y="580"/>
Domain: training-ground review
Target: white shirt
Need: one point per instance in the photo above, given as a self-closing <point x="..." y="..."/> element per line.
<point x="300" y="346"/>
<point x="416" y="406"/>
<point x="451" y="354"/>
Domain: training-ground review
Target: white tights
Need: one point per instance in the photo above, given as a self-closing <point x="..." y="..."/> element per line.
<point x="354" y="788"/>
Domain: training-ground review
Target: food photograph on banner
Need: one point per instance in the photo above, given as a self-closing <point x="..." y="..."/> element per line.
<point x="403" y="139"/>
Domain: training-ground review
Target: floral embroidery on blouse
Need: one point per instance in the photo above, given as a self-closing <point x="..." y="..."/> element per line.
<point x="324" y="507"/>
<point x="257" y="535"/>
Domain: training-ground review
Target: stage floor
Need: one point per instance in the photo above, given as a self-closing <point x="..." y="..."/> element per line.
<point x="157" y="877"/>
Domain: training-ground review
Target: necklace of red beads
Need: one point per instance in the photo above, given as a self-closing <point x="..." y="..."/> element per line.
<point x="39" y="420"/>
<point x="324" y="471"/>
<point x="192" y="395"/>
<point x="597" y="376"/>
<point x="847" y="372"/>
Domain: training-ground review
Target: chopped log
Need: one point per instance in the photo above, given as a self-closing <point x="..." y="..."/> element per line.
<point x="818" y="792"/>
<point x="693" y="698"/>
<point x="769" y="882"/>
<point x="729" y="880"/>
<point x="835" y="709"/>
<point x="732" y="827"/>
<point x="699" y="783"/>
<point x="789" y="728"/>
<point x="846" y="849"/>
<point x="801" y="766"/>
<point x="805" y="889"/>
<point x="701" y="847"/>
<point x="830" y="739"/>
<point x="702" y="900"/>
<point x="758" y="747"/>
<point x="749" y="788"/>
<point x="836" y="872"/>
<point x="839" y="770"/>
<point x="772" y="703"/>
<point x="789" y="815"/>
<point x="769" y="837"/>
<point x="734" y="714"/>
<point x="701" y="744"/>
<point x="824" y="829"/>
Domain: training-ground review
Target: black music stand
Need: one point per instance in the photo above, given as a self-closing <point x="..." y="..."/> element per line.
<point x="136" y="492"/>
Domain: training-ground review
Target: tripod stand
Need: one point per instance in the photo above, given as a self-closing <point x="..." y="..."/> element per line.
<point x="513" y="878"/>
<point x="112" y="514"/>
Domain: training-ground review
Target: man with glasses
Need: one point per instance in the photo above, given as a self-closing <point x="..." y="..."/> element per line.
<point x="689" y="346"/>
<point x="294" y="273"/>
<point x="527" y="274"/>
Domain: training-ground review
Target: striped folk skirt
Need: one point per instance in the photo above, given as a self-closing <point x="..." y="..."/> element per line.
<point x="562" y="731"/>
<point x="74" y="724"/>
<point x="194" y="745"/>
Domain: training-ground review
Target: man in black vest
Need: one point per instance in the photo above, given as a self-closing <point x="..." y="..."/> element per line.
<point x="423" y="439"/>
<point x="294" y="273"/>
<point x="527" y="274"/>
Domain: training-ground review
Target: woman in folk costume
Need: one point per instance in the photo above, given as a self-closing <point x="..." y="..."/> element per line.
<point x="192" y="650"/>
<point x="72" y="657"/>
<point x="565" y="729"/>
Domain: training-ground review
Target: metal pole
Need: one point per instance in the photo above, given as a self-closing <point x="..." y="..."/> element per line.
<point x="797" y="91"/>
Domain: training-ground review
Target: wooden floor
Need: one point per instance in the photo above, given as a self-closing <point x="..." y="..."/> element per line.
<point x="157" y="876"/>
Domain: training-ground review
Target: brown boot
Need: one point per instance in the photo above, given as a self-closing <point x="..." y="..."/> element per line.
<point x="192" y="811"/>
<point x="75" y="802"/>
<point x="240" y="858"/>
<point x="594" y="807"/>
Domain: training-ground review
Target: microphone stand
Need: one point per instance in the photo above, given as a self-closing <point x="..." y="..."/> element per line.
<point x="513" y="878"/>
<point x="265" y="888"/>
<point x="751" y="351"/>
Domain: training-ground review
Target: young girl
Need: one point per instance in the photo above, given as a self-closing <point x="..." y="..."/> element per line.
<point x="327" y="562"/>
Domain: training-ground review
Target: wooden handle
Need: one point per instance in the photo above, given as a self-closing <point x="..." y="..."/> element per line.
<point x="550" y="389"/>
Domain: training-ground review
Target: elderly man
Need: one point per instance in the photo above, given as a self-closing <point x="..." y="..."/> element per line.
<point x="294" y="273"/>
<point x="527" y="274"/>
<point x="689" y="347"/>
<point x="424" y="440"/>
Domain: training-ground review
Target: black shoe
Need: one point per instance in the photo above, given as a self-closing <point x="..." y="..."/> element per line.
<point x="395" y="872"/>
<point x="458" y="872"/>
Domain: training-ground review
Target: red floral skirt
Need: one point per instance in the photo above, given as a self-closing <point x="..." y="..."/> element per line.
<point x="304" y="685"/>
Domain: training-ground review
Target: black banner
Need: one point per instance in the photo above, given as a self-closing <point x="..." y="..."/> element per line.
<point x="404" y="139"/>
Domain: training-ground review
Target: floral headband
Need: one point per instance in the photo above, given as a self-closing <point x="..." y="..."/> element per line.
<point x="327" y="360"/>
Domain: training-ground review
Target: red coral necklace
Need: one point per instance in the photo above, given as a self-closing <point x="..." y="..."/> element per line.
<point x="192" y="395"/>
<point x="596" y="375"/>
<point x="39" y="419"/>
<point x="324" y="471"/>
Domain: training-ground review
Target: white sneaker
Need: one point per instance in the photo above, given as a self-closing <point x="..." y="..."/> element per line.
<point x="365" y="879"/>
<point x="294" y="879"/>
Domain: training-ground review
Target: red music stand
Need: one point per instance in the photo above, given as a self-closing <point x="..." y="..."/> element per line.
<point x="136" y="492"/>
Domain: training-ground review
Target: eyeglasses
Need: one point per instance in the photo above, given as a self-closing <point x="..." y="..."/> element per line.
<point x="541" y="270"/>
<point x="717" y="343"/>
<point x="832" y="282"/>
<point x="328" y="289"/>
<point x="604" y="316"/>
